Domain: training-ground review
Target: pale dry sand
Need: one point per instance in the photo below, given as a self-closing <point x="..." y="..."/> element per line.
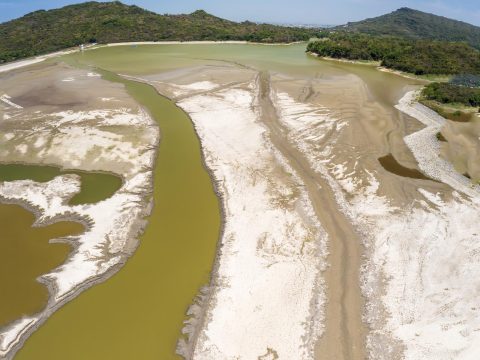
<point x="269" y="271"/>
<point x="67" y="124"/>
<point x="381" y="228"/>
<point x="402" y="251"/>
<point x="411" y="297"/>
<point x="426" y="252"/>
<point x="266" y="296"/>
<point x="315" y="126"/>
<point x="325" y="254"/>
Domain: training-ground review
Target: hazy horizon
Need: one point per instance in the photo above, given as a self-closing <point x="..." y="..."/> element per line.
<point x="275" y="11"/>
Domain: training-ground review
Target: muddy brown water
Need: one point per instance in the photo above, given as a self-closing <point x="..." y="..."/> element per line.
<point x="94" y="186"/>
<point x="25" y="254"/>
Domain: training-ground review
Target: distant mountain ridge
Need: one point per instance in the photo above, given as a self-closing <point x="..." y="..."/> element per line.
<point x="105" y="22"/>
<point x="409" y="23"/>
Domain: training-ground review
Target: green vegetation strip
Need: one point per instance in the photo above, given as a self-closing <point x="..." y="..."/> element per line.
<point x="419" y="57"/>
<point x="452" y="94"/>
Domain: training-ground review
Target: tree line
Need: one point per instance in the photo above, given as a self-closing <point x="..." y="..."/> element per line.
<point x="419" y="57"/>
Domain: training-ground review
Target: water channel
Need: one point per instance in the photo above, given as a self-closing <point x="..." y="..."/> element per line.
<point x="138" y="313"/>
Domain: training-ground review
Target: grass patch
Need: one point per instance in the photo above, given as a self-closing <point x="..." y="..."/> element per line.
<point x="440" y="137"/>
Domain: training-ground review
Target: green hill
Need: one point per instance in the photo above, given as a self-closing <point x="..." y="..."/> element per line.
<point x="415" y="24"/>
<point x="416" y="56"/>
<point x="106" y="22"/>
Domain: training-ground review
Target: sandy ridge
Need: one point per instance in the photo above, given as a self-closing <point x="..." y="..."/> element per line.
<point x="112" y="225"/>
<point x="273" y="246"/>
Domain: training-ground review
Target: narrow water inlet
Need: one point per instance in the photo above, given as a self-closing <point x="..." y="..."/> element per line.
<point x="94" y="186"/>
<point x="25" y="254"/>
<point x="142" y="308"/>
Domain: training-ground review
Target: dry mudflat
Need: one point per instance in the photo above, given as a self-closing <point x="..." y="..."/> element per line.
<point x="327" y="251"/>
<point x="52" y="114"/>
<point x="354" y="260"/>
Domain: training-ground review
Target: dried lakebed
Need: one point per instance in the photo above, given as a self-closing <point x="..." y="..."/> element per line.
<point x="113" y="139"/>
<point x="325" y="253"/>
<point x="94" y="186"/>
<point x="173" y="261"/>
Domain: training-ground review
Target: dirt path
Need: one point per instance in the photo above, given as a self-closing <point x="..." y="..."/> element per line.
<point x="344" y="337"/>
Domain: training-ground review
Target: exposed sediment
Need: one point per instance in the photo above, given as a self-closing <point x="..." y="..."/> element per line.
<point x="107" y="138"/>
<point x="344" y="335"/>
<point x="427" y="148"/>
<point x="272" y="248"/>
<point x="421" y="269"/>
<point x="325" y="254"/>
<point x="344" y="315"/>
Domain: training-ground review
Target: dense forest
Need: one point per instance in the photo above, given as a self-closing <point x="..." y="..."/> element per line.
<point x="414" y="24"/>
<point x="467" y="80"/>
<point x="452" y="94"/>
<point x="47" y="31"/>
<point x="419" y="57"/>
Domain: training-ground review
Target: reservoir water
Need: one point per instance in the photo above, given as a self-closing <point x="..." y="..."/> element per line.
<point x="25" y="254"/>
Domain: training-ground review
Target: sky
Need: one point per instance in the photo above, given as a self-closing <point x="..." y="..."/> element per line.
<point x="321" y="12"/>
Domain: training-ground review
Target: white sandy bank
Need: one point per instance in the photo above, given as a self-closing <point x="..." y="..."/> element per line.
<point x="426" y="147"/>
<point x="268" y="299"/>
<point x="421" y="277"/>
<point x="132" y="43"/>
<point x="75" y="138"/>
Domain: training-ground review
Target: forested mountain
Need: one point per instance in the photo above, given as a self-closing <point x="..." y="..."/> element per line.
<point x="104" y="22"/>
<point x="416" y="24"/>
<point x="417" y="56"/>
